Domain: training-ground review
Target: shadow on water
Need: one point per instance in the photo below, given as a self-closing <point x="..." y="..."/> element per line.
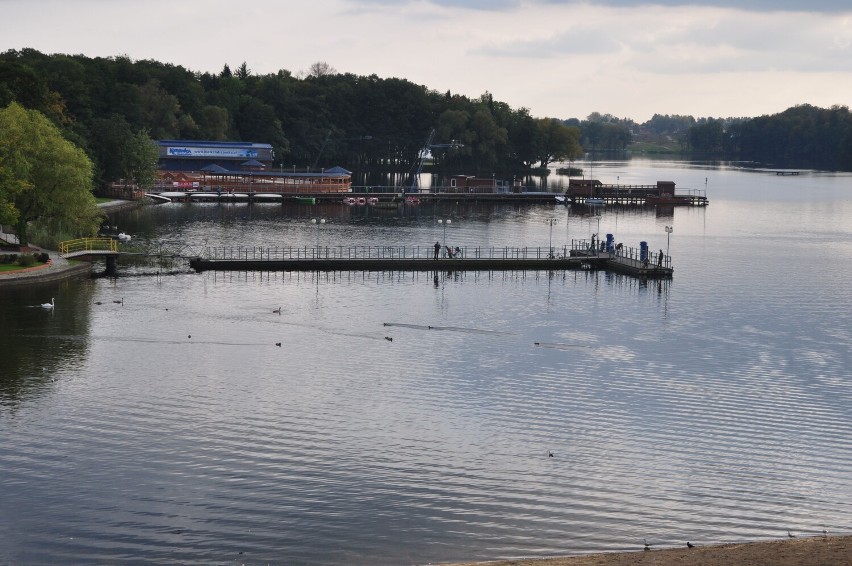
<point x="31" y="354"/>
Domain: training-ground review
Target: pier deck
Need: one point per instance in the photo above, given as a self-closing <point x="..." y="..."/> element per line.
<point x="422" y="259"/>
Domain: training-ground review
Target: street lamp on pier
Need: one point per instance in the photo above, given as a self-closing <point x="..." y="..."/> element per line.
<point x="318" y="222"/>
<point x="444" y="222"/>
<point x="550" y="221"/>
<point x="669" y="231"/>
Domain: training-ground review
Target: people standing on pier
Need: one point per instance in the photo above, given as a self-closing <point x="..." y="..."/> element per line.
<point x="660" y="258"/>
<point x="437" y="249"/>
<point x="449" y="252"/>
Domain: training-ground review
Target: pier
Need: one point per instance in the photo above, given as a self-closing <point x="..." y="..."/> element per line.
<point x="592" y="191"/>
<point x="578" y="256"/>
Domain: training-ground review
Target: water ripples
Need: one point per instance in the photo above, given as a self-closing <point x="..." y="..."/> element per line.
<point x="706" y="409"/>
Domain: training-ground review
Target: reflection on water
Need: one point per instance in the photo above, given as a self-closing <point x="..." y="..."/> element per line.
<point x="408" y="417"/>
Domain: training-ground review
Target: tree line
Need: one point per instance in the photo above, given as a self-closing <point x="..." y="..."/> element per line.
<point x="317" y="120"/>
<point x="801" y="136"/>
<point x="108" y="110"/>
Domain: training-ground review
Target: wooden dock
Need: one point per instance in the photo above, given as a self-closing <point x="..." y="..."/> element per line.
<point x="385" y="258"/>
<point x="380" y="198"/>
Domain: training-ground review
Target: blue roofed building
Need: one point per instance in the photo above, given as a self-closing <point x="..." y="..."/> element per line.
<point x="195" y="155"/>
<point x="231" y="166"/>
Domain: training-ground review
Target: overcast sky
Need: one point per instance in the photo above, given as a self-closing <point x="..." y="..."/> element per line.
<point x="558" y="58"/>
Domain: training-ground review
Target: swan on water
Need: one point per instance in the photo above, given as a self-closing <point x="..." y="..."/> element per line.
<point x="49" y="305"/>
<point x="123" y="237"/>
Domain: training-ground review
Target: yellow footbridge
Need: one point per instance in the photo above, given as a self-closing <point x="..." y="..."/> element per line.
<point x="88" y="246"/>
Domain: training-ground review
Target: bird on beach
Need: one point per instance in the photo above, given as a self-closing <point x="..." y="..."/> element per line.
<point x="121" y="302"/>
<point x="647" y="546"/>
<point x="790" y="535"/>
<point x="278" y="344"/>
<point x="276" y="311"/>
<point x="98" y="303"/>
<point x="388" y="338"/>
<point x="549" y="454"/>
<point x="689" y="545"/>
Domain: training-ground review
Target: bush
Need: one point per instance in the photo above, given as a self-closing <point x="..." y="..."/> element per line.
<point x="26" y="260"/>
<point x="43" y="257"/>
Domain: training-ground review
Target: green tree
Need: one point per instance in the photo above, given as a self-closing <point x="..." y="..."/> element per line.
<point x="557" y="141"/>
<point x="48" y="178"/>
<point x="10" y="187"/>
<point x="140" y="160"/>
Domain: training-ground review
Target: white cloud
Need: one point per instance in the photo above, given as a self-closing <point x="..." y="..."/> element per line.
<point x="557" y="58"/>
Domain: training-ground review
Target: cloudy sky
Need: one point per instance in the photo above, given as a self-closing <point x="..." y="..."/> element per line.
<point x="558" y="58"/>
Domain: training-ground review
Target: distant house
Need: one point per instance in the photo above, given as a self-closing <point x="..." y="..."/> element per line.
<point x="471" y="184"/>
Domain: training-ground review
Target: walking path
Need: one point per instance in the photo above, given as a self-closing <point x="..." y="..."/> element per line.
<point x="57" y="268"/>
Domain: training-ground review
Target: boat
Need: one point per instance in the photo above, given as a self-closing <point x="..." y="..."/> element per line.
<point x="306" y="200"/>
<point x="560" y="199"/>
<point x="594" y="201"/>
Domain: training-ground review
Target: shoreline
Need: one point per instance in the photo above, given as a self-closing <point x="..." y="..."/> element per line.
<point x="806" y="551"/>
<point x="58" y="268"/>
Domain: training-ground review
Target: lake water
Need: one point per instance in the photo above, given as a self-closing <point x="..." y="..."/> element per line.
<point x="170" y="428"/>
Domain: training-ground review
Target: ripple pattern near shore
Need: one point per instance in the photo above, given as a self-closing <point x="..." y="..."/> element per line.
<point x="342" y="446"/>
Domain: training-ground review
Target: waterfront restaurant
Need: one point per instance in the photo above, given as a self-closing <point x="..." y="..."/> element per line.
<point x="245" y="167"/>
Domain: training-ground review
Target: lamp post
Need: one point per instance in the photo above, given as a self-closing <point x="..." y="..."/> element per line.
<point x="550" y="221"/>
<point x="669" y="230"/>
<point x="445" y="221"/>
<point x="318" y="222"/>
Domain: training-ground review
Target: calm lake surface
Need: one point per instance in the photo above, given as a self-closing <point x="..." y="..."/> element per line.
<point x="714" y="407"/>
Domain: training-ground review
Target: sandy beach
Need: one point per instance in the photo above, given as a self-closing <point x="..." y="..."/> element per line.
<point x="816" y="551"/>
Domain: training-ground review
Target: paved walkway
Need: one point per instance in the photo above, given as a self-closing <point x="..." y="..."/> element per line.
<point x="58" y="268"/>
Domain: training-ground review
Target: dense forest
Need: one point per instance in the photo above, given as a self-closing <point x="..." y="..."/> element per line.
<point x="321" y="118"/>
<point x="318" y="120"/>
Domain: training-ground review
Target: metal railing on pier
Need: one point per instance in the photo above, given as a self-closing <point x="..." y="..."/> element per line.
<point x="585" y="247"/>
<point x="241" y="253"/>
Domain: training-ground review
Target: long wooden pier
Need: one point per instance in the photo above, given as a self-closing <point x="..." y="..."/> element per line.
<point x="390" y="258"/>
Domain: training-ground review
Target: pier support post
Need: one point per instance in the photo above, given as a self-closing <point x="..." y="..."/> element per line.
<point x="111" y="261"/>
